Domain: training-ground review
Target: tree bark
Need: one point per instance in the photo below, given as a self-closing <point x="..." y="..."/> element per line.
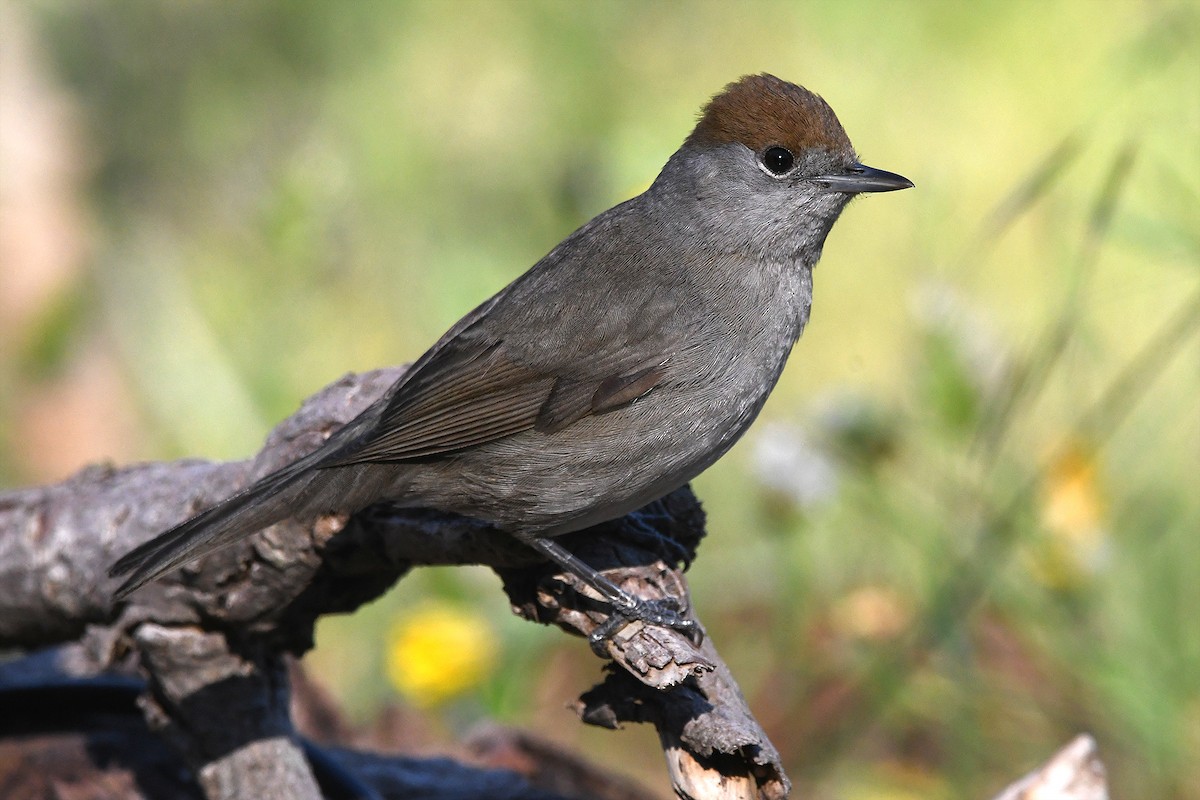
<point x="212" y="637"/>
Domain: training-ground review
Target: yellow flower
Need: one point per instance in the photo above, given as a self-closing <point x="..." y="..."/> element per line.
<point x="871" y="612"/>
<point x="438" y="651"/>
<point x="1073" y="514"/>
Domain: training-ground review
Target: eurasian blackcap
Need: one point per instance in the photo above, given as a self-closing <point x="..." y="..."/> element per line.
<point x="615" y="370"/>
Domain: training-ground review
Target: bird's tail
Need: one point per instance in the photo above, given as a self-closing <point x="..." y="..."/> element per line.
<point x="266" y="502"/>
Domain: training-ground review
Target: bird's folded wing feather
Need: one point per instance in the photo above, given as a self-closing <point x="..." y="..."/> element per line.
<point x="569" y="339"/>
<point x="466" y="393"/>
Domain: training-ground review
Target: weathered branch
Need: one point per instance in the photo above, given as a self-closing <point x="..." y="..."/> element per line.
<point x="212" y="636"/>
<point x="1073" y="773"/>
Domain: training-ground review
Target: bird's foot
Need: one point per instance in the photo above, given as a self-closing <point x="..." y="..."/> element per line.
<point x="623" y="608"/>
<point x="664" y="613"/>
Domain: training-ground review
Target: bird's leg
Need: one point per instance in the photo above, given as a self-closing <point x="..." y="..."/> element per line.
<point x="625" y="607"/>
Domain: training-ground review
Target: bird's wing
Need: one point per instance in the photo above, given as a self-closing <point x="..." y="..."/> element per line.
<point x="473" y="387"/>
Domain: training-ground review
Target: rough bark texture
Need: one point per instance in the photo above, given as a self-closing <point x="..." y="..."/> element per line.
<point x="212" y="637"/>
<point x="213" y="642"/>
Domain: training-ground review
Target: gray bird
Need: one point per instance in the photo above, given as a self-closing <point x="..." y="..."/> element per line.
<point x="619" y="367"/>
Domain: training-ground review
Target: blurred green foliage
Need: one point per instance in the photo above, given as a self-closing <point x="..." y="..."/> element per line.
<point x="996" y="401"/>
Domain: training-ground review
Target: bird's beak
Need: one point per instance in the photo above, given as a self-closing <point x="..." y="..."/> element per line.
<point x="861" y="178"/>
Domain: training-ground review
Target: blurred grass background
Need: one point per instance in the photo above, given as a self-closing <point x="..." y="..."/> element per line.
<point x="966" y="526"/>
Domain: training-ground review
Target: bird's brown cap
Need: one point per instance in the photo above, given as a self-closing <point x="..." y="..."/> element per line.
<point x="761" y="110"/>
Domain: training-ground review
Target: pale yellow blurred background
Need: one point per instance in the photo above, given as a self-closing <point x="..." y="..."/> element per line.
<point x="966" y="527"/>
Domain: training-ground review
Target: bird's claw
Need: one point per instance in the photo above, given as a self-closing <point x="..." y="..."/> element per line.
<point x="664" y="613"/>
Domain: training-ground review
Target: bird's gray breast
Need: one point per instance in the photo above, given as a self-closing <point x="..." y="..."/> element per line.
<point x="716" y="384"/>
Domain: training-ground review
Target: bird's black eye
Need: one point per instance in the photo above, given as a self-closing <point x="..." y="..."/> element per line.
<point x="778" y="160"/>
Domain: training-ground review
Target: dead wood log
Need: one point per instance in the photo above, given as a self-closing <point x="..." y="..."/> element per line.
<point x="213" y="636"/>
